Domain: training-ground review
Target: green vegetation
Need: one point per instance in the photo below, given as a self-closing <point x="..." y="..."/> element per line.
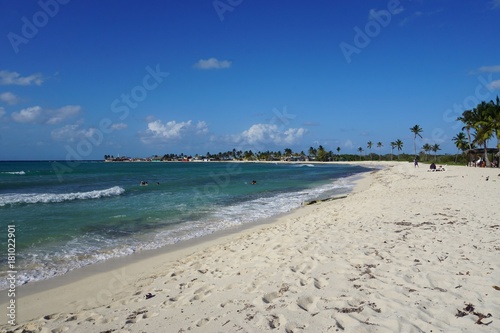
<point x="484" y="121"/>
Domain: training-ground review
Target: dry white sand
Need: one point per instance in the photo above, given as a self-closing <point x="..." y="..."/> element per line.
<point x="409" y="251"/>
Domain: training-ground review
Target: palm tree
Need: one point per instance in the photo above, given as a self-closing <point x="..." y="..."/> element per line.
<point x="426" y="148"/>
<point x="399" y="145"/>
<point x="312" y="152"/>
<point x="393" y="145"/>
<point x="338" y="150"/>
<point x="322" y="155"/>
<point x="416" y="130"/>
<point x="360" y="151"/>
<point x="435" y="148"/>
<point x="468" y="118"/>
<point x="460" y="143"/>
<point x="369" y="146"/>
<point x="379" y="145"/>
<point x="484" y="128"/>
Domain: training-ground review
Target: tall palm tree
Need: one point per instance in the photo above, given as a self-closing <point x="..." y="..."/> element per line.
<point x="426" y="148"/>
<point x="484" y="128"/>
<point x="379" y="145"/>
<point x="338" y="150"/>
<point x="360" y="151"/>
<point x="460" y="143"/>
<point x="399" y="145"/>
<point x="416" y="130"/>
<point x="469" y="117"/>
<point x="435" y="148"/>
<point x="393" y="145"/>
<point x="369" y="146"/>
<point x="321" y="154"/>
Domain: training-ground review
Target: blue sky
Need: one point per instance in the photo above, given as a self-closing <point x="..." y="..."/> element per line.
<point x="81" y="79"/>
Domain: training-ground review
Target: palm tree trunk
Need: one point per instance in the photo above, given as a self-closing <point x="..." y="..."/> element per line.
<point x="468" y="136"/>
<point x="486" y="159"/>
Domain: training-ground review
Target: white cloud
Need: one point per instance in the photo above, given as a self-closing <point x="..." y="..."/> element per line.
<point x="212" y="63"/>
<point x="58" y="115"/>
<point x="159" y="132"/>
<point x="71" y="133"/>
<point x="36" y="114"/>
<point x="14" y="78"/>
<point x="495" y="4"/>
<point x="2" y="112"/>
<point x="292" y="135"/>
<point x="490" y="69"/>
<point x="270" y="133"/>
<point x="28" y="115"/>
<point x="494" y="84"/>
<point x="9" y="98"/>
<point x="118" y="126"/>
<point x="170" y="130"/>
<point x="201" y="127"/>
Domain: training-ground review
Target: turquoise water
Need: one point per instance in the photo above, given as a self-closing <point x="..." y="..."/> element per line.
<point x="69" y="216"/>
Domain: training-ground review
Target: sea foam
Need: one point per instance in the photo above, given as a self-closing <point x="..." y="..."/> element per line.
<point x="13" y="172"/>
<point x="33" y="198"/>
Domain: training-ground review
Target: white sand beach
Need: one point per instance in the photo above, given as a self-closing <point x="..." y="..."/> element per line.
<point x="408" y="251"/>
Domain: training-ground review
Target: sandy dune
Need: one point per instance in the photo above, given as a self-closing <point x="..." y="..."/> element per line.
<point x="409" y="251"/>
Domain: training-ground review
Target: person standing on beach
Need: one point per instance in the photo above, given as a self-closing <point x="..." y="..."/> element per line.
<point x="415" y="162"/>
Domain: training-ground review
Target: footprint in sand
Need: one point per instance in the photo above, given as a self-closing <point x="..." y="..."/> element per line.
<point x="52" y="316"/>
<point x="320" y="283"/>
<point x="137" y="316"/>
<point x="303" y="268"/>
<point x="202" y="292"/>
<point x="269" y="297"/>
<point x="276" y="321"/>
<point x="304" y="281"/>
<point x="308" y="303"/>
<point x="202" y="322"/>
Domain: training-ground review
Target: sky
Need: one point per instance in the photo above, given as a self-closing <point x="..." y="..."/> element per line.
<point x="84" y="79"/>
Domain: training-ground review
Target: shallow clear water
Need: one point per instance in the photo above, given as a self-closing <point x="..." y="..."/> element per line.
<point x="93" y="211"/>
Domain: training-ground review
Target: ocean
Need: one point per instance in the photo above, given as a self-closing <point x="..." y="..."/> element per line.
<point x="67" y="218"/>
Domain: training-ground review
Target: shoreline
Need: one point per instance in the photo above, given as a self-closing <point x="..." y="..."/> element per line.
<point x="402" y="252"/>
<point x="92" y="277"/>
<point x="236" y="216"/>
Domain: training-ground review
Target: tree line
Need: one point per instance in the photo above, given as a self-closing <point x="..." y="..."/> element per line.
<point x="481" y="124"/>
